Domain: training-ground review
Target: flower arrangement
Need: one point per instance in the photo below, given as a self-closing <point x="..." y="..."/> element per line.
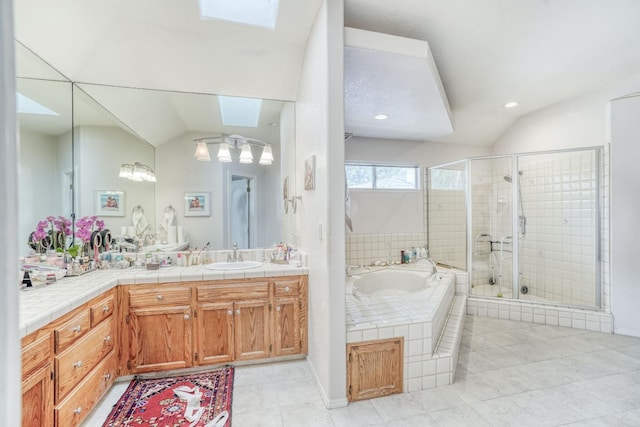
<point x="52" y="233"/>
<point x="86" y="225"/>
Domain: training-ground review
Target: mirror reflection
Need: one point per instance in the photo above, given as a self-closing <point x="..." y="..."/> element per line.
<point x="72" y="163"/>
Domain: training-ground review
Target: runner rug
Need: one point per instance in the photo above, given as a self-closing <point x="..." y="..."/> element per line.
<point x="195" y="400"/>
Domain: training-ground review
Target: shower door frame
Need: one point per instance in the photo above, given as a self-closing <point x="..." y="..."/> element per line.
<point x="599" y="180"/>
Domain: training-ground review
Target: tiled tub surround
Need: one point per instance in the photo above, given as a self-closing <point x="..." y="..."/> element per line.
<point x="40" y="306"/>
<point x="431" y="327"/>
<point x="366" y="249"/>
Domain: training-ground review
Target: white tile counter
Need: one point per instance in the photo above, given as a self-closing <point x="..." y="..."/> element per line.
<point x="44" y="304"/>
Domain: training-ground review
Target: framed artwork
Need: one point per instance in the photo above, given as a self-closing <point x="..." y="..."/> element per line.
<point x="310" y="173"/>
<point x="197" y="203"/>
<point x="110" y="203"/>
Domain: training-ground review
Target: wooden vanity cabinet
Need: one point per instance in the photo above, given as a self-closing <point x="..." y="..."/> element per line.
<point x="289" y="316"/>
<point x="159" y="327"/>
<point x="68" y="365"/>
<point x="37" y="380"/>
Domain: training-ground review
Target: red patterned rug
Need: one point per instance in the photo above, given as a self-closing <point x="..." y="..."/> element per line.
<point x="195" y="400"/>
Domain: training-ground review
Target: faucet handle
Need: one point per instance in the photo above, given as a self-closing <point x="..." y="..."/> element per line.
<point x="235" y="245"/>
<point x="240" y="257"/>
<point x="229" y="259"/>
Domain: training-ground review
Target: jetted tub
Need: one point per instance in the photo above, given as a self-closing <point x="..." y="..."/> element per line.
<point x="393" y="282"/>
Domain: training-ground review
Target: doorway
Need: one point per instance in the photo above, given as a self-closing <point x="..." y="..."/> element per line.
<point x="242" y="210"/>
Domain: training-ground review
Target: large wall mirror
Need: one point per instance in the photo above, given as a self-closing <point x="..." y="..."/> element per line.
<point x="70" y="158"/>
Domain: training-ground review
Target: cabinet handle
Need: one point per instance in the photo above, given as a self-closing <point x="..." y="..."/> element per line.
<point x="160" y="297"/>
<point x="230" y="312"/>
<point x="107" y="376"/>
<point x="287" y="289"/>
<point x="238" y="311"/>
<point x="77" y="329"/>
<point x="107" y="338"/>
<point x="186" y="317"/>
<point x="277" y="308"/>
<point x="77" y="364"/>
<point x="105" y="308"/>
<point x="77" y="410"/>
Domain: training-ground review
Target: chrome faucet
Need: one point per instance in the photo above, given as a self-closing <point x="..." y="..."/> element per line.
<point x="431" y="262"/>
<point x="237" y="257"/>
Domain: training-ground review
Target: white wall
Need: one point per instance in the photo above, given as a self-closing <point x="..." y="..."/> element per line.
<point x="10" y="396"/>
<point x="288" y="226"/>
<point x="625" y="210"/>
<point x="320" y="218"/>
<point x="100" y="151"/>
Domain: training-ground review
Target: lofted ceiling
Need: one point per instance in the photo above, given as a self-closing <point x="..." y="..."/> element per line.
<point x="537" y="52"/>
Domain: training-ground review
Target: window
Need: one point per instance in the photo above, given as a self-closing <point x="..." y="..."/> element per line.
<point x="447" y="179"/>
<point x="382" y="177"/>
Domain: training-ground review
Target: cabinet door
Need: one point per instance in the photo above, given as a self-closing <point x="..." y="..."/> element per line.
<point x="160" y="338"/>
<point x="251" y="329"/>
<point x="37" y="399"/>
<point x="286" y="326"/>
<point x="214" y="327"/>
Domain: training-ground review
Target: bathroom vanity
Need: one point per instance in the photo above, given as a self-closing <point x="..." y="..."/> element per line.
<point x="80" y="334"/>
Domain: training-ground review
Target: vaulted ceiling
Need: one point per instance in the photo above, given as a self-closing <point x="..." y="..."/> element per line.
<point x="536" y="52"/>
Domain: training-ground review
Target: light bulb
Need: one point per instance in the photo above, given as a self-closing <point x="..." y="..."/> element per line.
<point x="223" y="153"/>
<point x="267" y="156"/>
<point x="202" y="152"/>
<point x="245" y="155"/>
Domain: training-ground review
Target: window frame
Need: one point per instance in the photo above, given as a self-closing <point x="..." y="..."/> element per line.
<point x="374" y="178"/>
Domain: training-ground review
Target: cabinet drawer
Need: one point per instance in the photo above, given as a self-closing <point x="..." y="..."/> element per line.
<point x="101" y="310"/>
<point x="74" y="409"/>
<point x="67" y="333"/>
<point x="285" y="288"/>
<point x="77" y="361"/>
<point x="159" y="296"/>
<point x="233" y="291"/>
<point x="36" y="354"/>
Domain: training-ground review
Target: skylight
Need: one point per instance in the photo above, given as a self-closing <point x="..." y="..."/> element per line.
<point x="236" y="111"/>
<point x="26" y="105"/>
<point x="263" y="13"/>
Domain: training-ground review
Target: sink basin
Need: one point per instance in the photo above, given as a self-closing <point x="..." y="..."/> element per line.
<point x="240" y="265"/>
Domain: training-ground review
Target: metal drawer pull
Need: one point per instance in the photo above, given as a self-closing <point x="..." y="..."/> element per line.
<point x="278" y="308"/>
<point x="186" y="317"/>
<point x="77" y="410"/>
<point x="107" y="376"/>
<point x="238" y="311"/>
<point x="287" y="289"/>
<point x="230" y="312"/>
<point x="105" y="308"/>
<point x="160" y="297"/>
<point x="77" y="329"/>
<point x="107" y="338"/>
<point x="77" y="364"/>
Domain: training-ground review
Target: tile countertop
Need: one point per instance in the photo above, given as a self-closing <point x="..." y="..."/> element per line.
<point x="42" y="305"/>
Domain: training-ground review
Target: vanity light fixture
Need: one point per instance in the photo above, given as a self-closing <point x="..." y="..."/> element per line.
<point x="241" y="143"/>
<point x="137" y="172"/>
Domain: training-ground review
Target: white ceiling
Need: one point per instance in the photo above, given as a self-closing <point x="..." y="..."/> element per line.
<point x="488" y="52"/>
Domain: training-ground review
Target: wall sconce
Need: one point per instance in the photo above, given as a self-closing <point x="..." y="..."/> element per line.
<point x="238" y="142"/>
<point x="293" y="201"/>
<point x="137" y="172"/>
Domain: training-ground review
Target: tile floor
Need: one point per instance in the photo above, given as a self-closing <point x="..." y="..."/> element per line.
<point x="509" y="374"/>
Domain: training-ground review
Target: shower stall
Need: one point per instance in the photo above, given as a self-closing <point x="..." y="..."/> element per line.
<point x="525" y="227"/>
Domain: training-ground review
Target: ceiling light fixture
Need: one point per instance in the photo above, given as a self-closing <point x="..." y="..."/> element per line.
<point x="381" y="116"/>
<point x="511" y="104"/>
<point x="137" y="172"/>
<point x="238" y="142"/>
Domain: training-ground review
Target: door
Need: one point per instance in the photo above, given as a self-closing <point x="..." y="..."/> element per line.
<point x="215" y="333"/>
<point x="374" y="368"/>
<point x="240" y="210"/>
<point x="160" y="338"/>
<point x="252" y="329"/>
<point x="37" y="398"/>
<point x="287" y="326"/>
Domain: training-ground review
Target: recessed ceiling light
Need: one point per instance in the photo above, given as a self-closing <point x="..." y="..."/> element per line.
<point x="381" y="117"/>
<point x="511" y="104"/>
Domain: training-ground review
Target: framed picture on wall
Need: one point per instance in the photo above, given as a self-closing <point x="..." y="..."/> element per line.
<point x="110" y="203"/>
<point x="197" y="203"/>
<point x="310" y="173"/>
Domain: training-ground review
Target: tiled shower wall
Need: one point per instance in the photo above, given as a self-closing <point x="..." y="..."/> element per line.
<point x="557" y="255"/>
<point x="366" y="249"/>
